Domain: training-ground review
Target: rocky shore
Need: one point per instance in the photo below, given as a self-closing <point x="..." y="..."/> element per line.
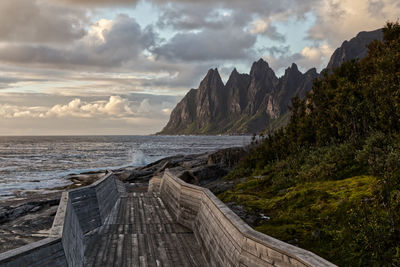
<point x="29" y="217"/>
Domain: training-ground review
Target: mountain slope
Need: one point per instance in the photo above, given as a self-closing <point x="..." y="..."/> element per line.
<point x="252" y="103"/>
<point x="329" y="182"/>
<point x="356" y="48"/>
<point x="246" y="104"/>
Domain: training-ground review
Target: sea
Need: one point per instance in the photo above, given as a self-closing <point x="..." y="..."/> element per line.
<point x="29" y="164"/>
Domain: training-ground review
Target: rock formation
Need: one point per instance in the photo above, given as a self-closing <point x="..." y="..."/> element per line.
<point x="356" y="48"/>
<point x="252" y="103"/>
<point x="246" y="104"/>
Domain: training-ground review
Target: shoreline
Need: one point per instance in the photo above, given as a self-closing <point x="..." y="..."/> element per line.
<point x="29" y="218"/>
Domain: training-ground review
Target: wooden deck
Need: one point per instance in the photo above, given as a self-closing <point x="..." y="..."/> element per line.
<point x="141" y="232"/>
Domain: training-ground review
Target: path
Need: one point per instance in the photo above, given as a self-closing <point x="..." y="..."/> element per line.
<point x="141" y="232"/>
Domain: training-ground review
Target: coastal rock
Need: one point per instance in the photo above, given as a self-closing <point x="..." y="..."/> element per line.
<point x="227" y="158"/>
<point x="26" y="220"/>
<point x="200" y="169"/>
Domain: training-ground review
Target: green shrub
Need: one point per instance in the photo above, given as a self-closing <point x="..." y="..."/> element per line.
<point x="330" y="180"/>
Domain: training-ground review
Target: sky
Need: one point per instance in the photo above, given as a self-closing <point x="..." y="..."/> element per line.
<point x="110" y="67"/>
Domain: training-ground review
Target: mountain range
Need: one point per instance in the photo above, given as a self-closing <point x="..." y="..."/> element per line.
<point x="252" y="103"/>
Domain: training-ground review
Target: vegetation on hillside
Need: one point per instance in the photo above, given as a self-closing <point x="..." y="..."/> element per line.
<point x="330" y="180"/>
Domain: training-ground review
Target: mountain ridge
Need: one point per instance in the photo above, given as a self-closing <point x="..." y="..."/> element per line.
<point x="251" y="103"/>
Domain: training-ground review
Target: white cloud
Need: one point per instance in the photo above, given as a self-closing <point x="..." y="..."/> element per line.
<point x="341" y="20"/>
<point x="98" y="30"/>
<point x="309" y="57"/>
<point x="316" y="55"/>
<point x="259" y="26"/>
<point x="116" y="107"/>
<point x="167" y="111"/>
<point x="40" y="21"/>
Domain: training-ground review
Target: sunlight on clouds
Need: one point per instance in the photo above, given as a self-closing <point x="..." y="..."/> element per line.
<point x="99" y="29"/>
<point x="167" y="111"/>
<point x="259" y="27"/>
<point x="114" y="107"/>
<point x="317" y="54"/>
<point x="341" y="20"/>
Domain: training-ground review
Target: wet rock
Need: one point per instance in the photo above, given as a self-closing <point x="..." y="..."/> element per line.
<point x="227" y="158"/>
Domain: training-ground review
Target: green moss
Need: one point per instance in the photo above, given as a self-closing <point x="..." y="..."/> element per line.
<point x="307" y="214"/>
<point x="347" y="127"/>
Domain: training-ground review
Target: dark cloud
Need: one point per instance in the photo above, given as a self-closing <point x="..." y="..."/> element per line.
<point x="262" y="7"/>
<point x="199" y="16"/>
<point x="123" y="42"/>
<point x="187" y="76"/>
<point x="376" y="7"/>
<point x="275" y="50"/>
<point x="7" y="82"/>
<point x="272" y="33"/>
<point x="196" y="14"/>
<point x="100" y="2"/>
<point x="209" y="44"/>
<point x="40" y="22"/>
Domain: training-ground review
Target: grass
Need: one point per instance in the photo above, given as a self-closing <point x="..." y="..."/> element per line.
<point x="308" y="215"/>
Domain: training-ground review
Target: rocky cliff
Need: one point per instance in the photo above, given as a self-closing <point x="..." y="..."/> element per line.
<point x="356" y="48"/>
<point x="251" y="103"/>
<point x="245" y="104"/>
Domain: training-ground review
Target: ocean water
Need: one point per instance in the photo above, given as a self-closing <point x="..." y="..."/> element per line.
<point x="38" y="163"/>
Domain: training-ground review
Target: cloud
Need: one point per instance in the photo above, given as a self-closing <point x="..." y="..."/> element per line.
<point x="257" y="7"/>
<point x="115" y="107"/>
<point x="97" y="3"/>
<point x="341" y="20"/>
<point x="209" y="44"/>
<point x="264" y="27"/>
<point x="40" y="22"/>
<point x="316" y="55"/>
<point x="309" y="57"/>
<point x="108" y="44"/>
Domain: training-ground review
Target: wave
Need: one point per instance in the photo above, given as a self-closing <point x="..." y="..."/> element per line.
<point x="138" y="158"/>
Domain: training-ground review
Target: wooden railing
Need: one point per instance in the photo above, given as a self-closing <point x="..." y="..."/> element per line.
<point x="80" y="211"/>
<point x="224" y="238"/>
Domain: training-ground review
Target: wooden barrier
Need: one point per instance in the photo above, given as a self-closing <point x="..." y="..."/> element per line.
<point x="79" y="212"/>
<point x="224" y="238"/>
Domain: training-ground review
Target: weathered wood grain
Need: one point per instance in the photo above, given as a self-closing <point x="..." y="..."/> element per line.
<point x="140" y="231"/>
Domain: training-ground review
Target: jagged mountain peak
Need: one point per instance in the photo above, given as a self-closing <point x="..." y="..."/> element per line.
<point x="260" y="65"/>
<point x="261" y="61"/>
<point x="235" y="75"/>
<point x="252" y="103"/>
<point x="212" y="74"/>
<point x="212" y="80"/>
<point x="262" y="76"/>
<point x="293" y="69"/>
<point x="312" y="70"/>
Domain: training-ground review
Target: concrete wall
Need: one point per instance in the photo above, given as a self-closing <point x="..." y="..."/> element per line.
<point x="80" y="211"/>
<point x="225" y="239"/>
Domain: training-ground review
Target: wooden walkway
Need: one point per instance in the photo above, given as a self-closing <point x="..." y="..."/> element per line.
<point x="141" y="232"/>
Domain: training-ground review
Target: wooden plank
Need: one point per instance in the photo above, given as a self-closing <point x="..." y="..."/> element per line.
<point x="141" y="232"/>
<point x="135" y="250"/>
